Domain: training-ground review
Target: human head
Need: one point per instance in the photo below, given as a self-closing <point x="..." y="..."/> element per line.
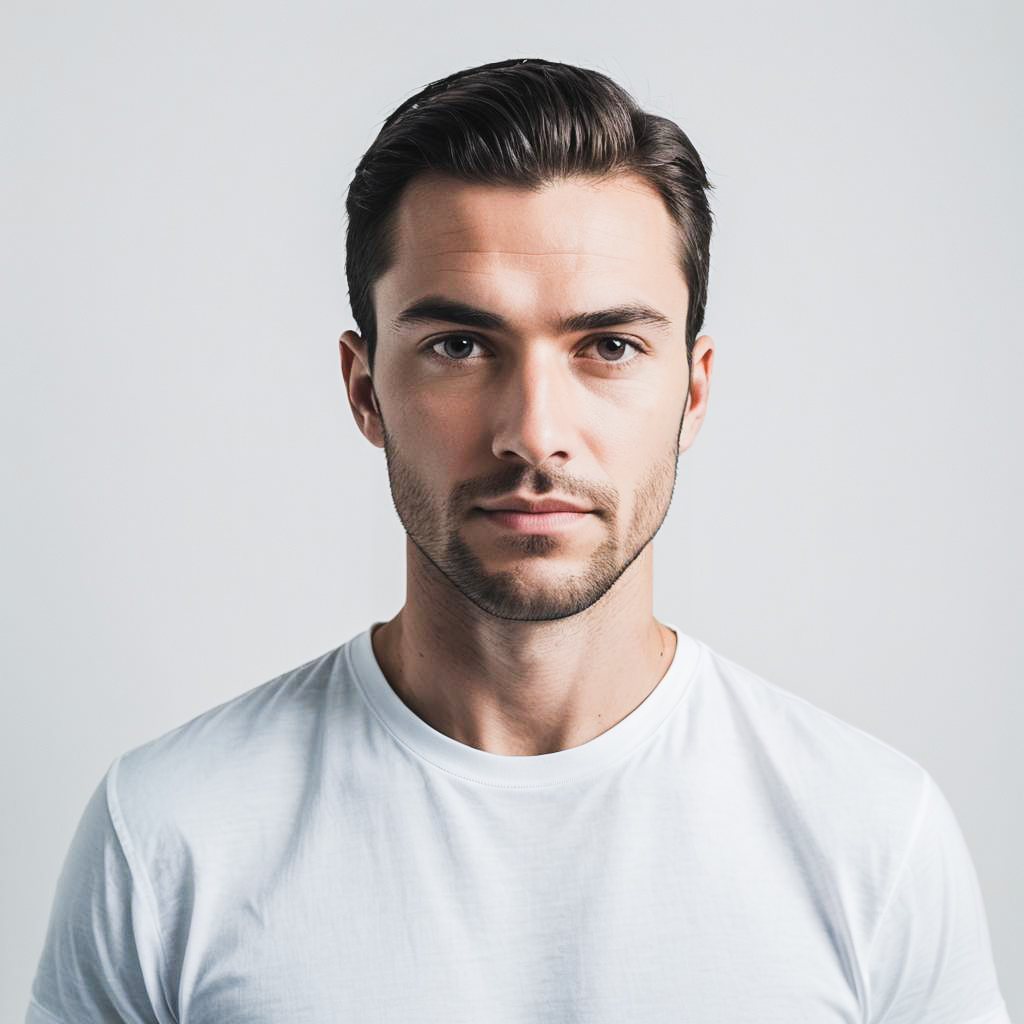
<point x="537" y="267"/>
<point x="522" y="122"/>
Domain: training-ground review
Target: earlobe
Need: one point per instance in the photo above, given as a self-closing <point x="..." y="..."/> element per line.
<point x="702" y="360"/>
<point x="359" y="387"/>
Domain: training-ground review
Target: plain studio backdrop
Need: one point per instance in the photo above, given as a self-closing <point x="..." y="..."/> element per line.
<point x="190" y="510"/>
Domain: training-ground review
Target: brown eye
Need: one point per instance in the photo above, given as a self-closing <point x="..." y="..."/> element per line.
<point x="616" y="348"/>
<point x="457" y="346"/>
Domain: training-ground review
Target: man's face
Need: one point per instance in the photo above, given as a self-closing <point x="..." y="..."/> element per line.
<point x="516" y="401"/>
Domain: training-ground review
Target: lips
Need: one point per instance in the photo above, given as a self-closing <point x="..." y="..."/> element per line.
<point x="537" y="507"/>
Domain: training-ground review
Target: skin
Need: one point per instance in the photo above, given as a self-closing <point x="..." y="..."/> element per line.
<point x="517" y="643"/>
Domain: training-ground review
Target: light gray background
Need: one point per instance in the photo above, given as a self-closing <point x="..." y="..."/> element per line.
<point x="190" y="509"/>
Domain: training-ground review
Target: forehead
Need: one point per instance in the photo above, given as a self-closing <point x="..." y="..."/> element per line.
<point x="576" y="241"/>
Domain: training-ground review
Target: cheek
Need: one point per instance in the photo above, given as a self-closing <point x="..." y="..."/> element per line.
<point x="644" y="408"/>
<point x="635" y="435"/>
<point x="439" y="432"/>
<point x="640" y="472"/>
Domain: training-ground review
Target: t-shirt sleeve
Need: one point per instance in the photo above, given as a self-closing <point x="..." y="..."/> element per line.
<point x="101" y="939"/>
<point x="931" y="957"/>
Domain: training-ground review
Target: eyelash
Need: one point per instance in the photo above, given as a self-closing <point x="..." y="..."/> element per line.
<point x="614" y="364"/>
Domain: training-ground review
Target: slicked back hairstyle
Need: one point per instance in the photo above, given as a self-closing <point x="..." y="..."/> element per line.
<point x="527" y="123"/>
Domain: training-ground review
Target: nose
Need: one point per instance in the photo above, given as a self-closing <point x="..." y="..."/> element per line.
<point x="533" y="411"/>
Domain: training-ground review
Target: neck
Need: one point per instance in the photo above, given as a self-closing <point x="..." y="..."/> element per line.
<point x="523" y="687"/>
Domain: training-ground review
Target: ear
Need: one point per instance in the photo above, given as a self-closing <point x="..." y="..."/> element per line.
<point x="359" y="385"/>
<point x="702" y="361"/>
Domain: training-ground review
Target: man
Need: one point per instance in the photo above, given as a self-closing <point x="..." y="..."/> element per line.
<point x="523" y="798"/>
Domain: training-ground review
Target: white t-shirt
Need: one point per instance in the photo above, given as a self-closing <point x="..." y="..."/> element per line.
<point x="312" y="851"/>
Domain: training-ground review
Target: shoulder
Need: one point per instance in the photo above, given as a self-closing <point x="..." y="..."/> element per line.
<point x="876" y="840"/>
<point x="859" y="797"/>
<point x="792" y="728"/>
<point x="252" y="747"/>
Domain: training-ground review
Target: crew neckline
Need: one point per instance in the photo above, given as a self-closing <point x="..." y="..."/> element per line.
<point x="512" y="770"/>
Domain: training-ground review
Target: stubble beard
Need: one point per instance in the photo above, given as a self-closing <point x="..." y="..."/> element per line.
<point x="511" y="593"/>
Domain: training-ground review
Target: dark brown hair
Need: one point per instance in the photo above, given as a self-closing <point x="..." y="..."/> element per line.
<point x="524" y="122"/>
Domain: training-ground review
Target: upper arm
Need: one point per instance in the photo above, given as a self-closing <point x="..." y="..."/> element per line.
<point x="931" y="958"/>
<point x="97" y="938"/>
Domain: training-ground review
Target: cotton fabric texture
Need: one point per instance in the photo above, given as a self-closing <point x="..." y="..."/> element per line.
<point x="312" y="851"/>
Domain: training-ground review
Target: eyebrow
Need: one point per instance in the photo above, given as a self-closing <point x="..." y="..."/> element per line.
<point x="437" y="308"/>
